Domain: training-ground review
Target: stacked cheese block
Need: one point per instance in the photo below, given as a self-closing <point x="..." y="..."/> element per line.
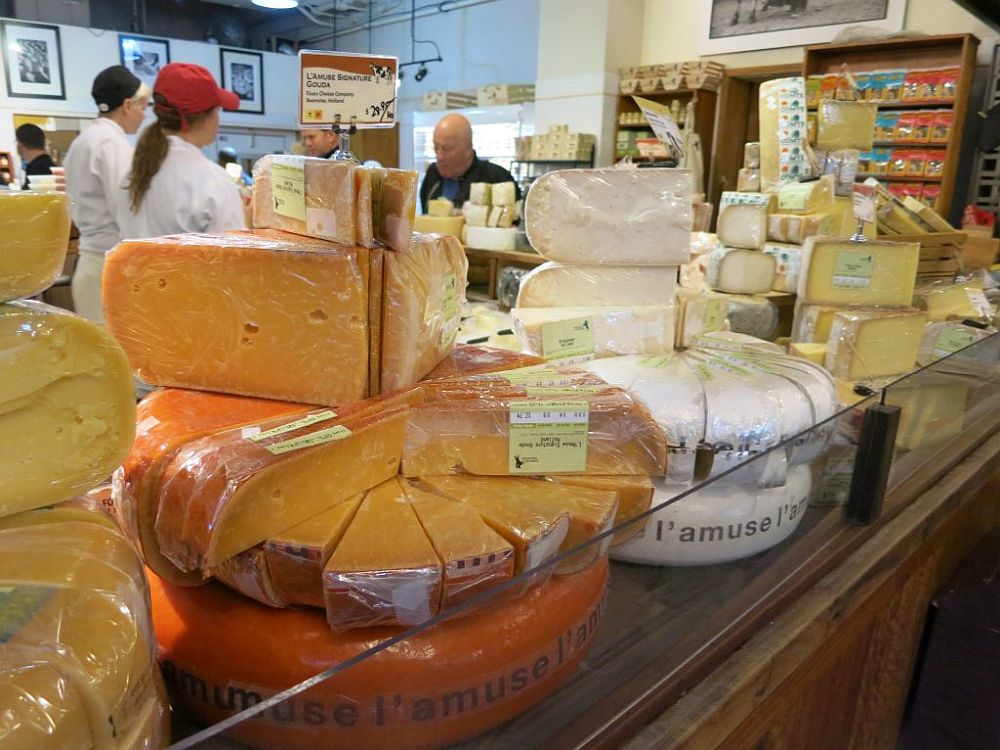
<point x="77" y="663"/>
<point x="489" y="215"/>
<point x="614" y="239"/>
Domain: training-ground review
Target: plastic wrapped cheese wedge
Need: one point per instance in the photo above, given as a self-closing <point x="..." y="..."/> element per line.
<point x="475" y="359"/>
<point x="611" y="216"/>
<point x="872" y="344"/>
<point x="67" y="405"/>
<point x="77" y="660"/>
<point x="313" y="197"/>
<point x="845" y="272"/>
<point x="35" y="231"/>
<point x="394" y="205"/>
<point x="562" y="285"/>
<point x="561" y="332"/>
<point x="607" y="432"/>
<point x="423" y="292"/>
<point x="718" y="523"/>
<point x="242" y="314"/>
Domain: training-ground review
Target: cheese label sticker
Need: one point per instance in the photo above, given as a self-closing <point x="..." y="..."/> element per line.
<point x="950" y="340"/>
<point x="978" y="299"/>
<point x="853" y="269"/>
<point x="330" y="434"/>
<point x="569" y="340"/>
<point x="255" y="434"/>
<point x="548" y="436"/>
<point x="288" y="186"/>
<point x="715" y="316"/>
<point x="794" y="196"/>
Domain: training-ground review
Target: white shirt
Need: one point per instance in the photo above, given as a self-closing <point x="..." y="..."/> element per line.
<point x="189" y="193"/>
<point x="95" y="164"/>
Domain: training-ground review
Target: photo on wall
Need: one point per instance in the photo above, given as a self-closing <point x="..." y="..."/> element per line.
<point x="243" y="74"/>
<point x="32" y="60"/>
<point x="143" y="55"/>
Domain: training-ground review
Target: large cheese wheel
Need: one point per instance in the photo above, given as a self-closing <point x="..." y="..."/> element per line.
<point x="221" y="652"/>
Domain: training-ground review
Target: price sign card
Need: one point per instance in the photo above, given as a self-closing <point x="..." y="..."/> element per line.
<point x="343" y="89"/>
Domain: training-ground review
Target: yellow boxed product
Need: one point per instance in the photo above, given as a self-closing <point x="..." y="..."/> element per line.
<point x="872" y="344"/>
<point x="842" y="272"/>
<point x="35" y="231"/>
<point x="845" y="124"/>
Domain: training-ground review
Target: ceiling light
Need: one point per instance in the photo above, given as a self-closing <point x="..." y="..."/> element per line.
<point x="276" y="4"/>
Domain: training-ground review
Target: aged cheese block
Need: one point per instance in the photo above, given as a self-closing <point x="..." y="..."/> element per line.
<point x="67" y="405"/>
<point x="422" y="296"/>
<point x="451" y="225"/>
<point x="810" y="197"/>
<point x="788" y="266"/>
<point x="698" y="312"/>
<point x="743" y="225"/>
<point x="364" y="221"/>
<point x="385" y="570"/>
<point x="600" y="331"/>
<point x="740" y="271"/>
<point x="314" y="197"/>
<point x="946" y="300"/>
<point x="560" y="285"/>
<point x="241" y="314"/>
<point x="841" y="272"/>
<point x="394" y="206"/>
<point x="943" y="339"/>
<point x="35" y="231"/>
<point x="812" y="352"/>
<point x="797" y="228"/>
<point x="476" y="359"/>
<point x="77" y="654"/>
<point x="872" y="344"/>
<point x="611" y="216"/>
<point x="634" y="495"/>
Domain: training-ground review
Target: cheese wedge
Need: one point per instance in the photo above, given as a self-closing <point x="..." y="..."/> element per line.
<point x="945" y="300"/>
<point x="865" y="345"/>
<point x="313" y="197"/>
<point x="797" y="228"/>
<point x="560" y="332"/>
<point x="385" y="570"/>
<point x="475" y="359"/>
<point x="35" y="228"/>
<point x="286" y="320"/>
<point x="740" y="271"/>
<point x="812" y="352"/>
<point x="611" y="216"/>
<point x="475" y="556"/>
<point x="634" y="494"/>
<point x="67" y="405"/>
<point x="560" y="285"/>
<point x="788" y="266"/>
<point x="296" y="557"/>
<point x="422" y="297"/>
<point x="394" y="206"/>
<point x="841" y="272"/>
<point x="699" y="312"/>
<point x="743" y="225"/>
<point x="364" y="221"/>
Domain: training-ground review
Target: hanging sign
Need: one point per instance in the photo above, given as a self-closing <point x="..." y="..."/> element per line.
<point x="343" y="89"/>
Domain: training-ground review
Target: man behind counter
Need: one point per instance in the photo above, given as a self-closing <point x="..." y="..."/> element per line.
<point x="457" y="165"/>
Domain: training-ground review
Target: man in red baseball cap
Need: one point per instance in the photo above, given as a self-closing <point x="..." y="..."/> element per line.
<point x="172" y="186"/>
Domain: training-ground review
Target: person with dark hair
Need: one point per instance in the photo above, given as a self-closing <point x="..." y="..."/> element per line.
<point x="172" y="186"/>
<point x="30" y="142"/>
<point x="97" y="161"/>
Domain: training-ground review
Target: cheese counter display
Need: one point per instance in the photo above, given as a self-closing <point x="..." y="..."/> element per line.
<point x="35" y="228"/>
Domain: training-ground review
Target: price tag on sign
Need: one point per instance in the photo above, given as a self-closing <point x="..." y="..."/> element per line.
<point x="663" y="125"/>
<point x="864" y="203"/>
<point x="347" y="89"/>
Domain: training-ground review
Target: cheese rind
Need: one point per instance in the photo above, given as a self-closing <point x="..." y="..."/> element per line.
<point x="871" y="344"/>
<point x="35" y="230"/>
<point x="67" y="405"/>
<point x="738" y="271"/>
<point x="842" y="272"/>
<point x="616" y="330"/>
<point x="560" y="285"/>
<point x="743" y="225"/>
<point x="611" y="216"/>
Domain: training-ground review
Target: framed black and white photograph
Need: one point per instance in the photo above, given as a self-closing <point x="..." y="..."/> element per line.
<point x="743" y="25"/>
<point x="143" y="55"/>
<point x="32" y="60"/>
<point x="243" y="74"/>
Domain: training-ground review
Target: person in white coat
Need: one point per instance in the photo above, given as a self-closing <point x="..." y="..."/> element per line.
<point x="172" y="186"/>
<point x="95" y="164"/>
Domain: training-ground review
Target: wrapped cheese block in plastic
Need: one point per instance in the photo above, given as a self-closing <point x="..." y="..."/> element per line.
<point x="699" y="312"/>
<point x="872" y="344"/>
<point x="943" y="339"/>
<point x="560" y="285"/>
<point x="423" y="291"/>
<point x="35" y="230"/>
<point x="718" y="523"/>
<point x="77" y="658"/>
<point x="945" y="300"/>
<point x="67" y="405"/>
<point x="242" y="314"/>
<point x="394" y="206"/>
<point x="566" y="332"/>
<point x="844" y="272"/>
<point x="611" y="216"/>
<point x="788" y="266"/>
<point x="314" y="197"/>
<point x="740" y="271"/>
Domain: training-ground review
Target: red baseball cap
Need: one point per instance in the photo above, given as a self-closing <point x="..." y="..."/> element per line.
<point x="191" y="88"/>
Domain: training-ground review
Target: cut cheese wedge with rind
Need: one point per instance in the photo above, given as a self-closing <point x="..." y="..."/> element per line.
<point x="35" y="228"/>
<point x="67" y="405"/>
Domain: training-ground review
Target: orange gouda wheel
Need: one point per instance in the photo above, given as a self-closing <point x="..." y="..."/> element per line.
<point x="221" y="652"/>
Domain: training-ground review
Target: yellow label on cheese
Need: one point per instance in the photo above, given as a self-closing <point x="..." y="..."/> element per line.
<point x="288" y="188"/>
<point x="548" y="436"/>
<point x="337" y="432"/>
<point x="565" y="339"/>
<point x="853" y="269"/>
<point x="953" y="339"/>
<point x="298" y="424"/>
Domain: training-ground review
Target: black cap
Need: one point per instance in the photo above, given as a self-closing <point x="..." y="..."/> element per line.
<point x="113" y="86"/>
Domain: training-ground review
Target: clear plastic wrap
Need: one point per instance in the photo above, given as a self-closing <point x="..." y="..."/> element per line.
<point x="394" y="206"/>
<point x="608" y="331"/>
<point x="35" y="230"/>
<point x="67" y="405"/>
<point x="797" y="228"/>
<point x="205" y="635"/>
<point x="782" y="109"/>
<point x="738" y="271"/>
<point x="474" y="359"/>
<point x="788" y="266"/>
<point x="743" y="225"/>
<point x="942" y="339"/>
<point x="304" y="195"/>
<point x="844" y="272"/>
<point x="242" y="314"/>
<point x="559" y="285"/>
<point x="613" y="216"/>
<point x="871" y="344"/>
<point x="844" y="124"/>
<point x="422" y="296"/>
<point x="718" y="524"/>
<point x="77" y="658"/>
<point x="947" y="300"/>
<point x="614" y="435"/>
<point x="754" y="316"/>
